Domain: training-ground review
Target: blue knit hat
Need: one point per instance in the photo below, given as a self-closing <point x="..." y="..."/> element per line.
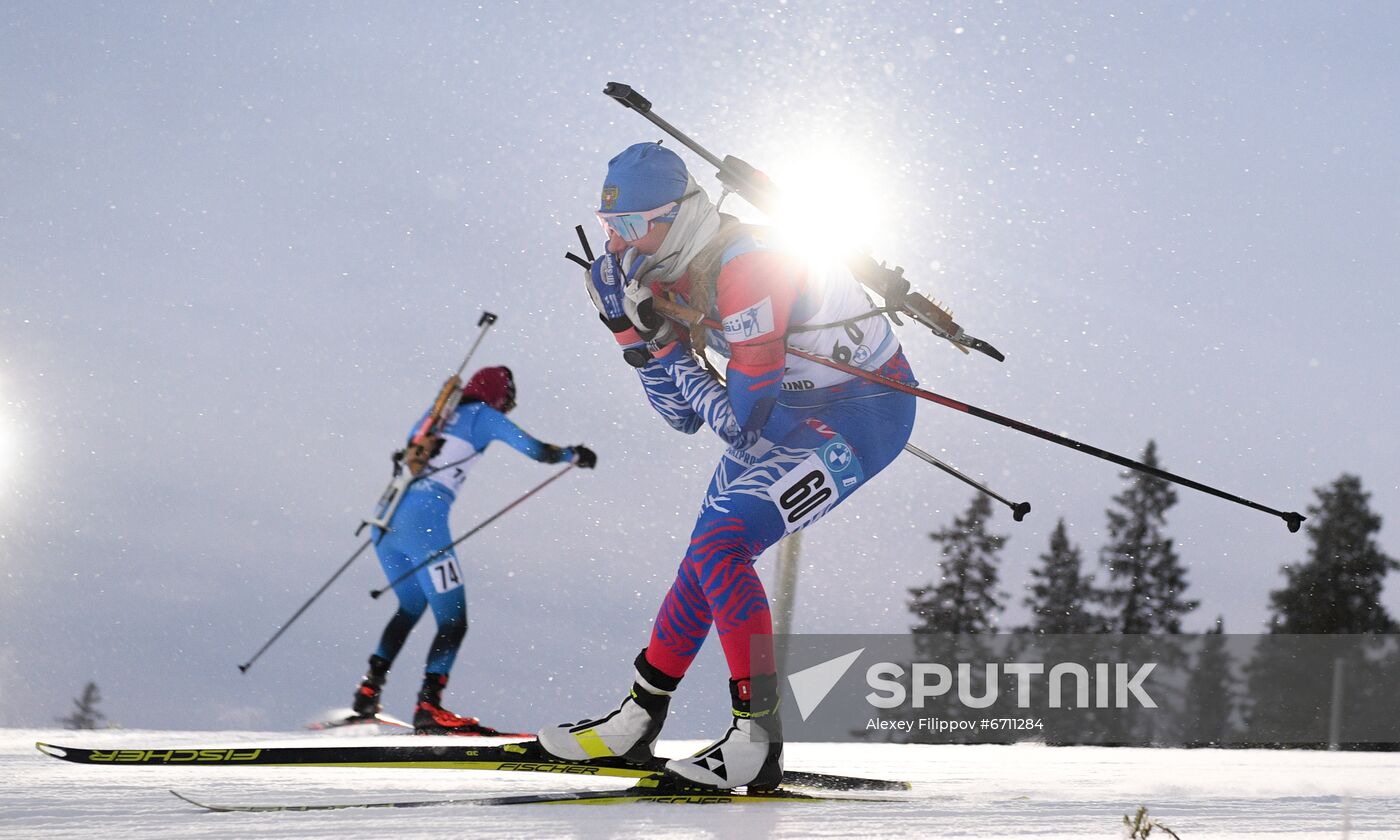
<point x="643" y="177"/>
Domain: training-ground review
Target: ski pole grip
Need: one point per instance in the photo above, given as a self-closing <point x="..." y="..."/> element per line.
<point x="486" y="318"/>
<point x="583" y="241"/>
<point x="627" y="97"/>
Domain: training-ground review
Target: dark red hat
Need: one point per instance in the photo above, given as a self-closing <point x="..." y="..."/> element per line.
<point x="494" y="386"/>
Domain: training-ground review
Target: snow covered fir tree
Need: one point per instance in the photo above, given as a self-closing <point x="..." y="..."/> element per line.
<point x="966" y="598"/>
<point x="85" y="714"/>
<point x="954" y="613"/>
<point x="1062" y="596"/>
<point x="1335" y="591"/>
<point x="1212" y="689"/>
<point x="1338" y="588"/>
<point x="1145" y="591"/>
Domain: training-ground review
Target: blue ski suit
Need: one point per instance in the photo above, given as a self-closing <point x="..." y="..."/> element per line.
<point x="420" y="528"/>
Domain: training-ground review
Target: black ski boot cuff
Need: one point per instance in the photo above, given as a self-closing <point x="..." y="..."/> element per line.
<point x="654" y="679"/>
<point x="755" y="697"/>
<point x="431" y="692"/>
<point x="378" y="671"/>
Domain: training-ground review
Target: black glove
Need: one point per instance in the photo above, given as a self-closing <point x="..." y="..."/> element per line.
<point x="584" y="458"/>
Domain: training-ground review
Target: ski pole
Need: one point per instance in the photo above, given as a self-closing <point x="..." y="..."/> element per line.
<point x="375" y="593"/>
<point x="245" y="666"/>
<point x="449" y="396"/>
<point x="689" y="316"/>
<point x="1018" y="509"/>
<point x="275" y="636"/>
<point x="1292" y="518"/>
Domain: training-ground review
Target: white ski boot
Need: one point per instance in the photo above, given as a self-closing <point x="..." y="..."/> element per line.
<point x="751" y="753"/>
<point x="629" y="731"/>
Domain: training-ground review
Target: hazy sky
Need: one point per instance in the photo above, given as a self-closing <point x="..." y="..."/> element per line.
<point x="241" y="244"/>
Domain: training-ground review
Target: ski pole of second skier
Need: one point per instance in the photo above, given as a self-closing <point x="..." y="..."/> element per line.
<point x="1018" y="509"/>
<point x="327" y="585"/>
<point x="375" y="593"/>
<point x="338" y="572"/>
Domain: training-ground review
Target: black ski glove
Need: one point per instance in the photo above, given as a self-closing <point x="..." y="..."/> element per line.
<point x="584" y="458"/>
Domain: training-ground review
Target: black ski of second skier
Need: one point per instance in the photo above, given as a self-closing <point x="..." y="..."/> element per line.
<point x="660" y="789"/>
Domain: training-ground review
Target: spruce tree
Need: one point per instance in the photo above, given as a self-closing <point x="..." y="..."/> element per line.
<point x="1210" y="691"/>
<point x="1147" y="583"/>
<point x="1338" y="588"/>
<point x="966" y="599"/>
<point x="954" y="612"/>
<point x="85" y="714"/>
<point x="1060" y="592"/>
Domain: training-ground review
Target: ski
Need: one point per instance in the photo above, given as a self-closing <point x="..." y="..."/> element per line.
<point x="659" y="789"/>
<point x="526" y="757"/>
<point x="480" y="731"/>
<point x="352" y="719"/>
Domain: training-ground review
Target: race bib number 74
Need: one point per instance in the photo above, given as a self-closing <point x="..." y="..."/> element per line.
<point x="445" y="574"/>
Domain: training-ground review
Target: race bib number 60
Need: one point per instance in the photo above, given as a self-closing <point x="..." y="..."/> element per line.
<point x="804" y="493"/>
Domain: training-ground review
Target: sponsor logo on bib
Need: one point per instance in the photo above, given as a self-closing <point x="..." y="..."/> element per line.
<point x="750" y="323"/>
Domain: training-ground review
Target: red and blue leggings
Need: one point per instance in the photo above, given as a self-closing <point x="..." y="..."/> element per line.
<point x="822" y="453"/>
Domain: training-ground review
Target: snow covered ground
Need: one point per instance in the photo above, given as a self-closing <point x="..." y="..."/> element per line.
<point x="959" y="791"/>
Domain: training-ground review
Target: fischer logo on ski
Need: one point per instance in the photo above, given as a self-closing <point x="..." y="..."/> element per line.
<point x="173" y="756"/>
<point x="551" y="767"/>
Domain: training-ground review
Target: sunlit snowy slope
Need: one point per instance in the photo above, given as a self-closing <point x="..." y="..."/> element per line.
<point x="971" y="791"/>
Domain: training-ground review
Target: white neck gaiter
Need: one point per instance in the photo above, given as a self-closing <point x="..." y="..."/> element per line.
<point x="695" y="224"/>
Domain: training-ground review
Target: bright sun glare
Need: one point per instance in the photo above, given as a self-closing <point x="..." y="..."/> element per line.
<point x="7" y="449"/>
<point x="830" y="204"/>
<point x="9" y="446"/>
